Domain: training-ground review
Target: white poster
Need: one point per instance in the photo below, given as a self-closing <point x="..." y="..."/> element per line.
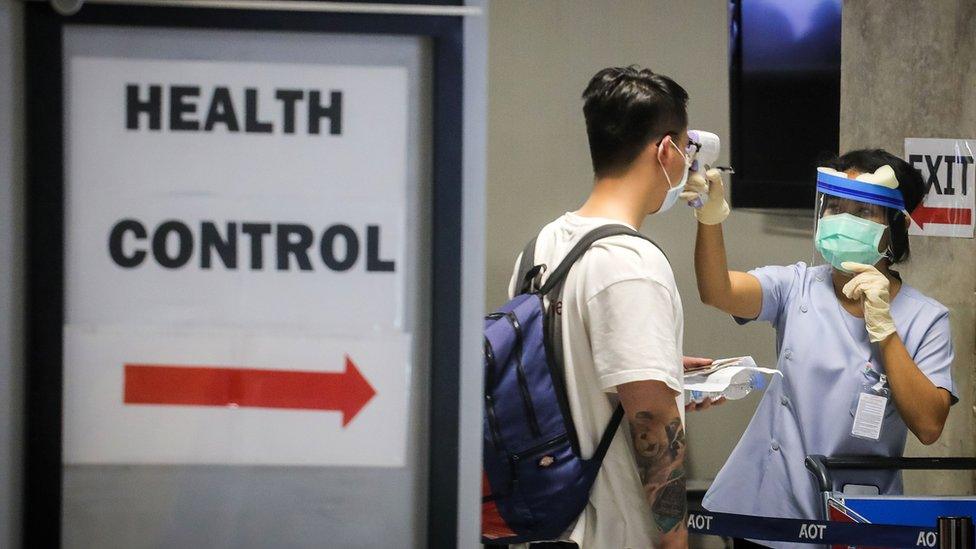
<point x="234" y="242"/>
<point x="948" y="169"/>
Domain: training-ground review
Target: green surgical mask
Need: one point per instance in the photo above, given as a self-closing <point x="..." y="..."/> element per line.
<point x="846" y="237"/>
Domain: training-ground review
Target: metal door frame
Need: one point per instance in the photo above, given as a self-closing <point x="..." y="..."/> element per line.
<point x="44" y="31"/>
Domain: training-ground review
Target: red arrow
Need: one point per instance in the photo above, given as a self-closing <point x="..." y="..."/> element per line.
<point x="947" y="216"/>
<point x="347" y="392"/>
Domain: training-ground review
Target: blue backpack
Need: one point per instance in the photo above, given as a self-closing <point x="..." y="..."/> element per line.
<point x="535" y="483"/>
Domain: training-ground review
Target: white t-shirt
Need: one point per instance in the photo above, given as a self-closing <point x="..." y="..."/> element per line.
<point x="622" y="322"/>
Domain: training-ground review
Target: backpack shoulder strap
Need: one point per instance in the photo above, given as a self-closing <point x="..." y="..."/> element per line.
<point x="607" y="438"/>
<point x="526" y="264"/>
<point x="554" y="285"/>
<point x="556" y="278"/>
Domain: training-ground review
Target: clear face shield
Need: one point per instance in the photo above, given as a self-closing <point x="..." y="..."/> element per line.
<point x="852" y="217"/>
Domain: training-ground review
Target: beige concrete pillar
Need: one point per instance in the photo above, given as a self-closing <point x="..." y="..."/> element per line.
<point x="909" y="70"/>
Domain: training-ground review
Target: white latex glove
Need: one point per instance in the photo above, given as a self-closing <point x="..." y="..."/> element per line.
<point x="716" y="209"/>
<point x="871" y="287"/>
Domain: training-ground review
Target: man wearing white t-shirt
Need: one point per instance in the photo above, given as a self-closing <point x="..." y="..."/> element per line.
<point x="621" y="314"/>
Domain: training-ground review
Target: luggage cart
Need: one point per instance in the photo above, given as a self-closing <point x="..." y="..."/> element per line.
<point x="953" y="514"/>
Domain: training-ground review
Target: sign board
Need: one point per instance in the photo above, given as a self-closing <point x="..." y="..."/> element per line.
<point x="235" y="253"/>
<point x="950" y="174"/>
<point x="225" y="271"/>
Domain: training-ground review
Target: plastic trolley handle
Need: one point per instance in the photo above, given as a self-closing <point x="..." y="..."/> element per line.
<point x="820" y="466"/>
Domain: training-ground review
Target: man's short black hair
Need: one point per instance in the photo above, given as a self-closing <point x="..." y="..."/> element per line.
<point x="910" y="183"/>
<point x="625" y="109"/>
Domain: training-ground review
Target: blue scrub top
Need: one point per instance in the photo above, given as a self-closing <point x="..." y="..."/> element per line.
<point x="823" y="352"/>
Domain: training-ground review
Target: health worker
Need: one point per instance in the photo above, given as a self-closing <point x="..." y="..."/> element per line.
<point x="865" y="357"/>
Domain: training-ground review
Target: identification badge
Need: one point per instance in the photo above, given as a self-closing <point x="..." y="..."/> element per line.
<point x="870" y="412"/>
<point x="869" y="416"/>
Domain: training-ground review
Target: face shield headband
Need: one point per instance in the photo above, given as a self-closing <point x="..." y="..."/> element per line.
<point x="860" y="189"/>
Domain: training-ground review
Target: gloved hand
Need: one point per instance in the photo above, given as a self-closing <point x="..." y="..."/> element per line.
<point x="716" y="209"/>
<point x="871" y="287"/>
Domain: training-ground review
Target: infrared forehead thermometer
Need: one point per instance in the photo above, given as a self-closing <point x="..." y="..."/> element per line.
<point x="704" y="148"/>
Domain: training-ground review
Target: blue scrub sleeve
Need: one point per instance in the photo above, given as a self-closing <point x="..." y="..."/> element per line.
<point x="935" y="355"/>
<point x="777" y="281"/>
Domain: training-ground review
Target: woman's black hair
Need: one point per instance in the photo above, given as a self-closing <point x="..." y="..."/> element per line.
<point x="910" y="183"/>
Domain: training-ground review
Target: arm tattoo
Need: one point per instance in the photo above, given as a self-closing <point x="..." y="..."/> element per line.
<point x="660" y="456"/>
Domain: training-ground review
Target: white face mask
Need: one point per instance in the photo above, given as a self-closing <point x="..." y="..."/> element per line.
<point x="672" y="196"/>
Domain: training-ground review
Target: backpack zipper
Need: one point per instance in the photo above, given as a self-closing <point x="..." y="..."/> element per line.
<point x="520" y="375"/>
<point x="514" y="459"/>
<point x="490" y="367"/>
<point x="493" y="423"/>
<point x="489" y="401"/>
<point x="540" y="447"/>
